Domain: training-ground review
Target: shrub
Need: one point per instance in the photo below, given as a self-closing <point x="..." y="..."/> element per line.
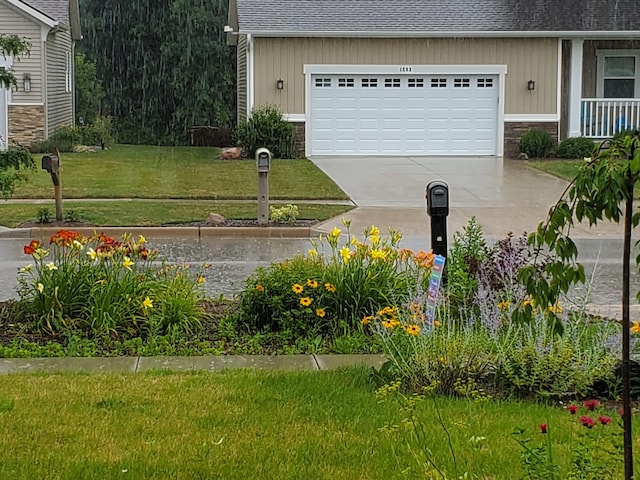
<point x="14" y="163"/>
<point x="324" y="292"/>
<point x="106" y="288"/>
<point x="537" y="144"/>
<point x="67" y="138"/>
<point x="286" y="214"/>
<point x="623" y="133"/>
<point x="266" y="128"/>
<point x="576" y="148"/>
<point x="97" y="133"/>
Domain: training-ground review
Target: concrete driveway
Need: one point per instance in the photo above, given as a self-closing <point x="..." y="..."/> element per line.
<point x="504" y="195"/>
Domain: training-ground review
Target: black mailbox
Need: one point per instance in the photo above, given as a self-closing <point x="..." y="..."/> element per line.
<point x="437" y="198"/>
<point x="51" y="163"/>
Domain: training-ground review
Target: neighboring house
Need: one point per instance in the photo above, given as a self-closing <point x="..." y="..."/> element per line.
<point x="438" y="77"/>
<point x="44" y="97"/>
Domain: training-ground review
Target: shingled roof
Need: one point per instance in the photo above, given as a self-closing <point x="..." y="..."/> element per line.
<point x="435" y="17"/>
<point x="66" y="12"/>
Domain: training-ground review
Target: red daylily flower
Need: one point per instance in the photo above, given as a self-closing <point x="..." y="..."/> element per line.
<point x="31" y="248"/>
<point x="543" y="428"/>
<point x="590" y="404"/>
<point x="572" y="409"/>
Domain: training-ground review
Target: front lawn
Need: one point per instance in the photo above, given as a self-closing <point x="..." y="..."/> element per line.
<point x="565" y="169"/>
<point x="247" y="424"/>
<point x="139" y="171"/>
<point x="153" y="212"/>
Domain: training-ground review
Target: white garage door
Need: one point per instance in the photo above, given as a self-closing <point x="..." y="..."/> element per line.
<point x="403" y="114"/>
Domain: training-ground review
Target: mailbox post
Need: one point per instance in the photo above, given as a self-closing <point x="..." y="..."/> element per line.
<point x="51" y="163"/>
<point x="263" y="165"/>
<point x="437" y="197"/>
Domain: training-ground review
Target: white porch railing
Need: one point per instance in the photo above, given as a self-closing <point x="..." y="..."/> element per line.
<point x="604" y="117"/>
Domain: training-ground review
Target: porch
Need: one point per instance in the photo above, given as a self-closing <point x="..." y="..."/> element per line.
<point x="601" y="86"/>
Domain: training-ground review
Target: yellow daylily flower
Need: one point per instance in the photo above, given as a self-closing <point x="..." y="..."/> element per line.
<point x="142" y="240"/>
<point x="40" y="287"/>
<point x="335" y="232"/>
<point x="51" y="266"/>
<point x="345" y="252"/>
<point x="91" y="253"/>
<point x="378" y="254"/>
<point x="635" y="328"/>
<point x="313" y="253"/>
<point x="201" y="279"/>
<point x="127" y="262"/>
<point x="147" y="303"/>
<point x="374" y="231"/>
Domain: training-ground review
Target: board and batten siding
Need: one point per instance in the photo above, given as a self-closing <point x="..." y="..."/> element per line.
<point x="59" y="100"/>
<point x="242" y="78"/>
<point x="13" y="22"/>
<point x="526" y="59"/>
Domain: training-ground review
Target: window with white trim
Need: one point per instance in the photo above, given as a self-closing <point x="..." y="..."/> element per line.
<point x="438" y="83"/>
<point x="346" y="82"/>
<point x="618" y="74"/>
<point x="369" y="82"/>
<point x="416" y="83"/>
<point x="392" y="82"/>
<point x="461" y="82"/>
<point x="68" y="72"/>
<point x="323" y="82"/>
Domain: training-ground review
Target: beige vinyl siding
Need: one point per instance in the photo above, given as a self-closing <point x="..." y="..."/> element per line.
<point x="526" y="59"/>
<point x="242" y="78"/>
<point x="59" y="101"/>
<point x="13" y="22"/>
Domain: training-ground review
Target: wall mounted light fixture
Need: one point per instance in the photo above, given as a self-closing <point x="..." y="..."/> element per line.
<point x="26" y="82"/>
<point x="280" y="84"/>
<point x="531" y="85"/>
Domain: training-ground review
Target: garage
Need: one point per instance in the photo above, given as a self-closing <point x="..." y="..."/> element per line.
<point x="404" y="113"/>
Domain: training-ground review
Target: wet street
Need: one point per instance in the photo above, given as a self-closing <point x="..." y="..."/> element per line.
<point x="234" y="259"/>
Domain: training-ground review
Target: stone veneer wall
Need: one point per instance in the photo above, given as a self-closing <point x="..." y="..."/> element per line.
<point x="300" y="132"/>
<point x="514" y="130"/>
<point x="26" y="124"/>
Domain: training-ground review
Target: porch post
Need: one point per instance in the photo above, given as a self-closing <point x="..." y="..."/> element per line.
<point x="575" y="87"/>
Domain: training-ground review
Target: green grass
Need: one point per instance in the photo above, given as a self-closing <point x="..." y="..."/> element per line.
<point x="135" y="171"/>
<point x="244" y="425"/>
<point x="155" y="213"/>
<point x="565" y="169"/>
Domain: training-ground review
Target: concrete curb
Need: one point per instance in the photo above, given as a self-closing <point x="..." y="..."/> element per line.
<point x="165" y="232"/>
<point x="211" y="363"/>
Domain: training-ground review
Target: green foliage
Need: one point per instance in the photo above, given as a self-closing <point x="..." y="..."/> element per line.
<point x="159" y="82"/>
<point x="72" y="215"/>
<point x="266" y="128"/>
<point x="15" y="165"/>
<point x="11" y="46"/>
<point x="576" y="148"/>
<point x="537" y="144"/>
<point x="350" y="281"/>
<point x="468" y="251"/>
<point x="67" y="138"/>
<point x="88" y="90"/>
<point x="105" y="288"/>
<point x="622" y="134"/>
<point x="44" y="215"/>
<point x="286" y="214"/>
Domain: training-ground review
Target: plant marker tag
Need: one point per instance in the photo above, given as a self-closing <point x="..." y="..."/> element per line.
<point x="434" y="286"/>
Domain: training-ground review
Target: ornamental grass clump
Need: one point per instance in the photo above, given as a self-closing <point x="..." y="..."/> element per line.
<point x="331" y="288"/>
<point x="105" y="287"/>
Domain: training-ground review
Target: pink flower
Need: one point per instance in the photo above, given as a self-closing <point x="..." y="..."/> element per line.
<point x="587" y="421"/>
<point x="604" y="420"/>
<point x="572" y="409"/>
<point x="543" y="428"/>
<point x="590" y="404"/>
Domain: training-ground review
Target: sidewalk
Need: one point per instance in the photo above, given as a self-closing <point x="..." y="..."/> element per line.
<point x="185" y="364"/>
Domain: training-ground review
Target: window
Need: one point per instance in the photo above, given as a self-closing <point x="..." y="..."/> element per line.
<point x="618" y="74"/>
<point x="392" y="82"/>
<point x="416" y="83"/>
<point x="485" y="82"/>
<point x="369" y="82"/>
<point x="346" y="82"/>
<point x="68" y="73"/>
<point x="323" y="82"/>
<point x="461" y="83"/>
<point x="438" y="83"/>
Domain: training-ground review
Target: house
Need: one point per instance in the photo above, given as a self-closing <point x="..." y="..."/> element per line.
<point x="44" y="97"/>
<point x="438" y="77"/>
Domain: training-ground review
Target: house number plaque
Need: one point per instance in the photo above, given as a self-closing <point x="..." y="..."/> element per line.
<point x="405" y="69"/>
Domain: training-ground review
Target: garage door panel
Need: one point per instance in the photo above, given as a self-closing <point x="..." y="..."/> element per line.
<point x="411" y="114"/>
